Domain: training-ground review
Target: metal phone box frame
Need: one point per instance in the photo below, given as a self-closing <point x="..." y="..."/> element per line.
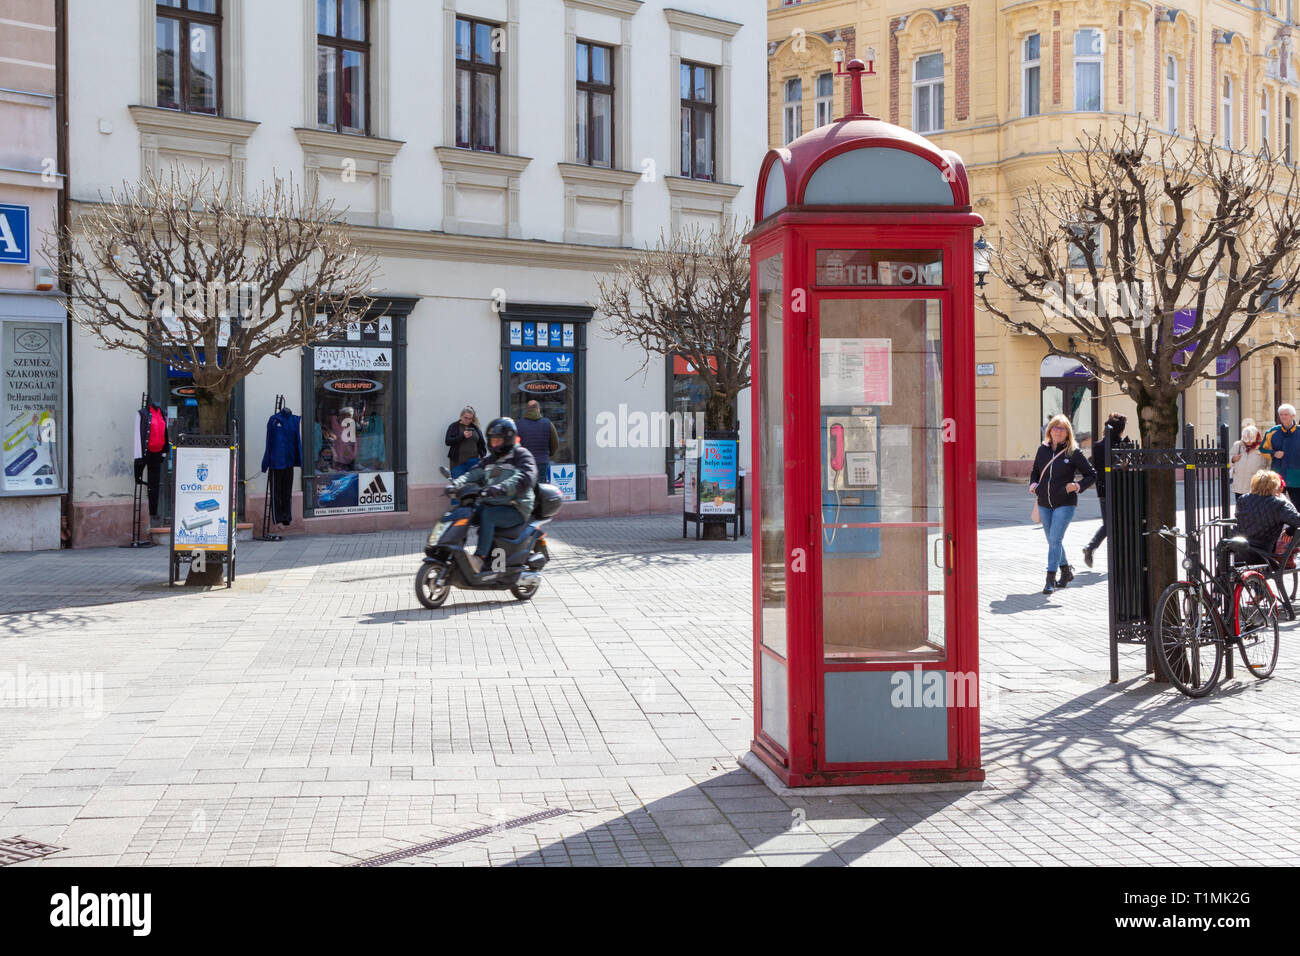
<point x="866" y="616"/>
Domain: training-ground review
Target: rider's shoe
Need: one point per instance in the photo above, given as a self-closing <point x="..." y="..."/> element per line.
<point x="475" y="562"/>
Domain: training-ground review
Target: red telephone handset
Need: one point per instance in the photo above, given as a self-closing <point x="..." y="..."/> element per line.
<point x="837" y="447"/>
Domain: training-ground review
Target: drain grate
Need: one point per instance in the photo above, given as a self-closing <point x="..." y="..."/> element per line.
<point x="18" y="850"/>
<point x="460" y="838"/>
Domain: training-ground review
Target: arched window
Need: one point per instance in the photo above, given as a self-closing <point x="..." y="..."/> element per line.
<point x="927" y="94"/>
<point x="1287" y="128"/>
<point x="793" y="108"/>
<point x="1227" y="112"/>
<point x="825" y="98"/>
<point x="1088" y="84"/>
<point x="1171" y="92"/>
<point x="1263" y="119"/>
<point x="1030" y="74"/>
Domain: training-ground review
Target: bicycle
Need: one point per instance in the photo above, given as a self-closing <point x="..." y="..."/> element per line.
<point x="1191" y="634"/>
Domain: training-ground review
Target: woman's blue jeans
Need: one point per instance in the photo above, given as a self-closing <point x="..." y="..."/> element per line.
<point x="1055" y="521"/>
<point x="464" y="467"/>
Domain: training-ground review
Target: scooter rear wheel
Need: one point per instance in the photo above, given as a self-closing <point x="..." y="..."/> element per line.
<point x="427" y="590"/>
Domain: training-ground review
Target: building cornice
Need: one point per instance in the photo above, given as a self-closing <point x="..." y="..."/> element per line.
<point x="700" y="188"/>
<point x="30" y="178"/>
<point x="345" y="144"/>
<point x="442" y="246"/>
<point x="698" y="23"/>
<point x="619" y="8"/>
<point x="153" y="121"/>
<point x="478" y="161"/>
<point x="597" y="175"/>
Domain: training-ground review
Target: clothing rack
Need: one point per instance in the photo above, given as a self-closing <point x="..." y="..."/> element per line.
<point x="266" y="534"/>
<point x="137" y="503"/>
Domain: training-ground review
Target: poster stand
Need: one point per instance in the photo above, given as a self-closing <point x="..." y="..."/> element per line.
<point x="137" y="504"/>
<point x="714" y="491"/>
<point x="203" y="483"/>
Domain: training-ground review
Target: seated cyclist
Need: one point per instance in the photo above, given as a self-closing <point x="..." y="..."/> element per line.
<point x="1262" y="514"/>
<point x="509" y="473"/>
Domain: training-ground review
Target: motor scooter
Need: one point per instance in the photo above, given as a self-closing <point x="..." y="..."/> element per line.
<point x="517" y="558"/>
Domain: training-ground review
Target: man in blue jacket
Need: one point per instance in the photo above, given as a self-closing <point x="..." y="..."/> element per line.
<point x="1282" y="445"/>
<point x="538" y="435"/>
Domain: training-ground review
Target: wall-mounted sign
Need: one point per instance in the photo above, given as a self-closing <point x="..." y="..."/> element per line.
<point x="567" y="340"/>
<point x="15" y="234"/>
<point x="542" y="386"/>
<point x="985" y="369"/>
<point x="352" y="386"/>
<point x="565" y="477"/>
<point x="516" y="333"/>
<point x="342" y="358"/>
<point x="530" y="333"/>
<point x="548" y="363"/>
<point x="355" y="493"/>
<point x="879" y="267"/>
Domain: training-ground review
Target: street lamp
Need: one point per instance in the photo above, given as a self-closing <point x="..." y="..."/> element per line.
<point x="983" y="256"/>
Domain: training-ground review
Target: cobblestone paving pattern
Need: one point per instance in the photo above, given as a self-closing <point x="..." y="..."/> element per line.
<point x="315" y="714"/>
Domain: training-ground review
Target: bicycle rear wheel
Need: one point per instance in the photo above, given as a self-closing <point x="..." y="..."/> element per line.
<point x="1189" y="647"/>
<point x="1256" y="613"/>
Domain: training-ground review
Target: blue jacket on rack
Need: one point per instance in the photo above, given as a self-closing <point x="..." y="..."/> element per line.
<point x="283" y="442"/>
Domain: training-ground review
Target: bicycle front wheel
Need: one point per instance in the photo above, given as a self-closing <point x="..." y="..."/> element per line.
<point x="1256" y="624"/>
<point x="1189" y="647"/>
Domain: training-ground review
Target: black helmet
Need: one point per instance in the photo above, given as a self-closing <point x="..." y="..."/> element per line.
<point x="502" y="428"/>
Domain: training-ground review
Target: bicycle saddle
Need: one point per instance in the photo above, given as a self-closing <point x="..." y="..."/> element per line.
<point x="1238" y="546"/>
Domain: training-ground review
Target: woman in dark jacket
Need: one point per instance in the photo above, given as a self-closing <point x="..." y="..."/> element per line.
<point x="1262" y="514"/>
<point x="1060" y="472"/>
<point x="465" y="442"/>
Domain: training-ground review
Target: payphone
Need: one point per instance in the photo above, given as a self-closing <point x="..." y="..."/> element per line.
<point x="850" y="481"/>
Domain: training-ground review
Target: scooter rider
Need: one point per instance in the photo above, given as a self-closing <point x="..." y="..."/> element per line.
<point x="509" y="473"/>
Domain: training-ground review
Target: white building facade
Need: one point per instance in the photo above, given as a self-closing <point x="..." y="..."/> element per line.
<point x="498" y="156"/>
<point x="33" y="318"/>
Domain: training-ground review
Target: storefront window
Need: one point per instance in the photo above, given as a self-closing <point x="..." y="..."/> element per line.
<point x="354" y="420"/>
<point x="32" y="390"/>
<point x="543" y="360"/>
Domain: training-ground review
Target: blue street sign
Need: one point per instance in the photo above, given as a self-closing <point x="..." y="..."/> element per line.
<point x="15" y="234"/>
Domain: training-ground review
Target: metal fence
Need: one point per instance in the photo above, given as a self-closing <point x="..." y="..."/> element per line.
<point x="1206" y="494"/>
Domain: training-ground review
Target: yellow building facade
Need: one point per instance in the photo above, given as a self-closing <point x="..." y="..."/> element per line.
<point x="1005" y="83"/>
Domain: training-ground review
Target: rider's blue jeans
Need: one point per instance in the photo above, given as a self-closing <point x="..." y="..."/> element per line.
<point x="1055" y="521"/>
<point x="490" y="518"/>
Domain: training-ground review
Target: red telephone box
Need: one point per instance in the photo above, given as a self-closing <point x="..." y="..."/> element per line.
<point x="866" y="644"/>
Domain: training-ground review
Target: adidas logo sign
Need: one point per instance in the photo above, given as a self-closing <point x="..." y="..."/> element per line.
<point x="381" y="360"/>
<point x="376" y="493"/>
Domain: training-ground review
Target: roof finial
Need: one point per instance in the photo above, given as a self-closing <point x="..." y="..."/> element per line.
<point x="855" y="71"/>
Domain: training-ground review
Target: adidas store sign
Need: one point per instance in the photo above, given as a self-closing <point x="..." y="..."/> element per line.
<point x="376" y="491"/>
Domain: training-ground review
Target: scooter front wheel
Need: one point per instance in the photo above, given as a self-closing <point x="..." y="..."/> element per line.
<point x="525" y="592"/>
<point x="427" y="590"/>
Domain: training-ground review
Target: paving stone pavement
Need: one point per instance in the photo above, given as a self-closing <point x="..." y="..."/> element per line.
<point x="315" y="714"/>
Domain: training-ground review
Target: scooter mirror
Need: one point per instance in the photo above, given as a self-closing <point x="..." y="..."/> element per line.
<point x="442" y="469"/>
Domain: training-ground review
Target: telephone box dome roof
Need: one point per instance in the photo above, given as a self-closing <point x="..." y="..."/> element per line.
<point x="861" y="161"/>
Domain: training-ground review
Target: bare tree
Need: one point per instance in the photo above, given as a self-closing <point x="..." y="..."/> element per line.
<point x="689" y="296"/>
<point x="184" y="270"/>
<point x="1129" y="230"/>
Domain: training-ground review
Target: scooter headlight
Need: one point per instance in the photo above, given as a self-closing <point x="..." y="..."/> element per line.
<point x="436" y="534"/>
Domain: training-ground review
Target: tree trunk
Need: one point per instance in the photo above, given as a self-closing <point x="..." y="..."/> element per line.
<point x="1159" y="423"/>
<point x="214" y="411"/>
<point x="719" y="413"/>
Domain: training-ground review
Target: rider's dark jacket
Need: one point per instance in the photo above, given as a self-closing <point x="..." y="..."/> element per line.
<point x="516" y="473"/>
<point x="1260" y="519"/>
